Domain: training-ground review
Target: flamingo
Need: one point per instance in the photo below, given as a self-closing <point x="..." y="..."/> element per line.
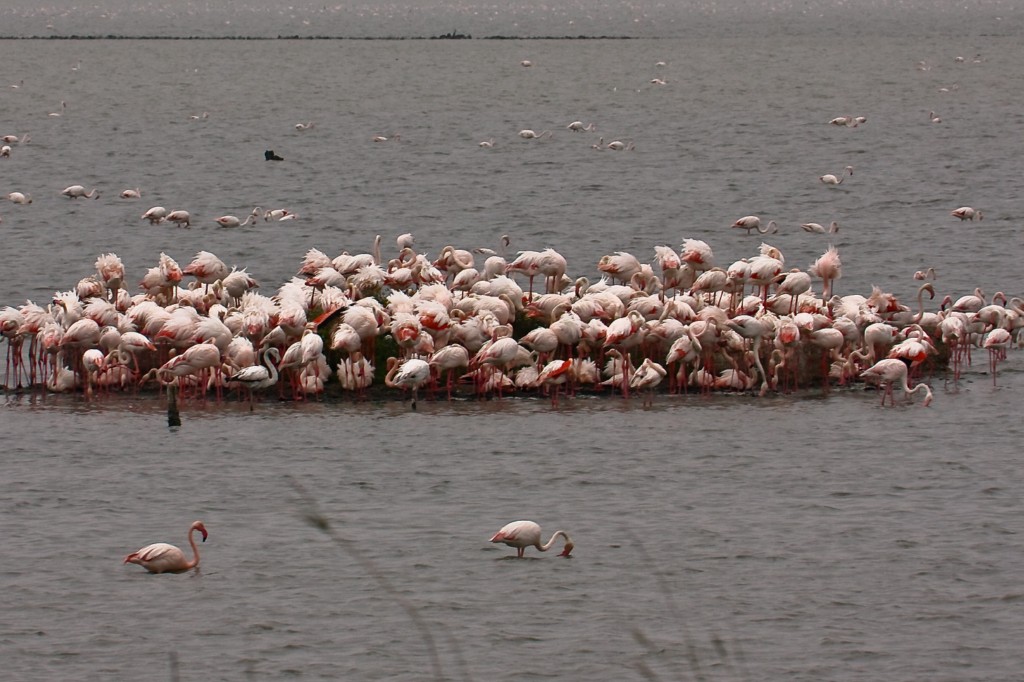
<point x="890" y="371"/>
<point x="164" y="558"/>
<point x="131" y="193"/>
<point x="206" y="268"/>
<point x="996" y="342"/>
<point x="935" y="118"/>
<point x="304" y="126"/>
<point x="647" y="376"/>
<point x="486" y="144"/>
<point x="817" y="228"/>
<point x="523" y="534"/>
<point x="553" y="375"/>
<point x="384" y="138"/>
<point x="155" y="215"/>
<point x="412" y="373"/>
<point x="828" y="268"/>
<point x="233" y="221"/>
<point x="578" y="127"/>
<point x="78" y="191"/>
<point x="181" y="218"/>
<point x="19" y="198"/>
<point x="753" y="222"/>
<point x="619" y="145"/>
<point x="833" y="179"/>
<point x="275" y="214"/>
<point x="528" y="134"/>
<point x="967" y="213"/>
<point x="257" y="377"/>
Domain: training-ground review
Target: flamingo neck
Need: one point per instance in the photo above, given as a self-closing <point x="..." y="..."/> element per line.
<point x="554" y="537"/>
<point x="195" y="550"/>
<point x="269" y="363"/>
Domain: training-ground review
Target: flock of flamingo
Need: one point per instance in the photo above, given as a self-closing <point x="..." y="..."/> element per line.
<point x="477" y="323"/>
<point x="161" y="557"/>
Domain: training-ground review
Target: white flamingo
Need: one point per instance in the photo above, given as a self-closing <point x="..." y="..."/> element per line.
<point x="78" y="192"/>
<point x="967" y="213"/>
<point x="234" y="221"/>
<point x="753" y="222"/>
<point x="155" y="215"/>
<point x="523" y="534"/>
<point x="833" y="179"/>
<point x="818" y="228"/>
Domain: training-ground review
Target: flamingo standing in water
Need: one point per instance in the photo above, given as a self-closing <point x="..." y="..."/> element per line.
<point x="833" y="179"/>
<point x="78" y="192"/>
<point x="155" y="215"/>
<point x="181" y="218"/>
<point x="753" y="222"/>
<point x="523" y="534"/>
<point x="131" y="193"/>
<point x="966" y="213"/>
<point x="257" y="377"/>
<point x="828" y="268"/>
<point x="996" y="342"/>
<point x="818" y="228"/>
<point x="528" y="134"/>
<point x="164" y="558"/>
<point x="647" y="376"/>
<point x="412" y="373"/>
<point x="233" y="221"/>
<point x="891" y="371"/>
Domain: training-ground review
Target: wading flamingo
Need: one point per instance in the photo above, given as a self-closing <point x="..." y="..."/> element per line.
<point x="233" y="221"/>
<point x="77" y="192"/>
<point x="753" y="222"/>
<point x="523" y="534"/>
<point x="164" y="558"/>
<point x="412" y="373"/>
<point x="966" y="213"/>
<point x="818" y="228"/>
<point x="891" y="371"/>
<point x="257" y="377"/>
<point x="155" y="215"/>
<point x="833" y="179"/>
<point x="181" y="218"/>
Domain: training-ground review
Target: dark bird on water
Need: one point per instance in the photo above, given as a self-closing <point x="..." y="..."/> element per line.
<point x="269" y="155"/>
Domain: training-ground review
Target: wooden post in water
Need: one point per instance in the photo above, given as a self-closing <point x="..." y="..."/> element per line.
<point x="173" y="418"/>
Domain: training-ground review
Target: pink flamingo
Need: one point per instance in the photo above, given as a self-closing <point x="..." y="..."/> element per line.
<point x="753" y="222"/>
<point x="891" y="371"/>
<point x="523" y="534"/>
<point x="164" y="558"/>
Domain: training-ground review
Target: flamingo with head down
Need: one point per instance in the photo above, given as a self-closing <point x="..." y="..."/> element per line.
<point x="78" y="191"/>
<point x="523" y="534"/>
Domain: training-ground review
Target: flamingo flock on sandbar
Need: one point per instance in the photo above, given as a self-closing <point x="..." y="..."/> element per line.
<point x="475" y="323"/>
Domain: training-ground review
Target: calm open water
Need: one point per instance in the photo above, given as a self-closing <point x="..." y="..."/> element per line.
<point x="795" y="537"/>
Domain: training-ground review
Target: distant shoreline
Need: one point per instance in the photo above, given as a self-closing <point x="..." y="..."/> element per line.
<point x="298" y="37"/>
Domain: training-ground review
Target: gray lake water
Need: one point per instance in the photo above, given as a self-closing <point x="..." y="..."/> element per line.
<point x="792" y="537"/>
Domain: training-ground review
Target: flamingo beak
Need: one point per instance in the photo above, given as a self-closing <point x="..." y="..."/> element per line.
<point x="203" y="531"/>
<point x="568" y="548"/>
